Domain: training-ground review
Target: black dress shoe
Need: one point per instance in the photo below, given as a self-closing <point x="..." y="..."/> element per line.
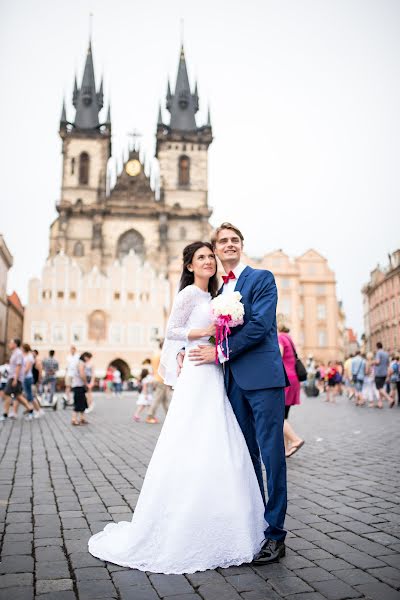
<point x="271" y="551"/>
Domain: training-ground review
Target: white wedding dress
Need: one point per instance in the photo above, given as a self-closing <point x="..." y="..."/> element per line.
<point x="200" y="506"/>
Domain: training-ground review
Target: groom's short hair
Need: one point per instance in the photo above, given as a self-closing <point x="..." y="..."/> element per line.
<point x="225" y="225"/>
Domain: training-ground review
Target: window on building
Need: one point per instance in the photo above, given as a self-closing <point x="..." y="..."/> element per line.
<point x="134" y="335"/>
<point x="117" y="295"/>
<point x="301" y="311"/>
<point x="97" y="322"/>
<point x="46" y="294"/>
<point x="285" y="306"/>
<point x="154" y="334"/>
<point x="321" y="311"/>
<point x="320" y="289"/>
<point x="72" y="166"/>
<point x="60" y="294"/>
<point x="131" y="296"/>
<point x="285" y="284"/>
<point x="39" y="332"/>
<point x="115" y="333"/>
<point x="322" y="339"/>
<point x="311" y="269"/>
<point x="72" y="295"/>
<point x="79" y="249"/>
<point x="84" y="161"/>
<point x="77" y="334"/>
<point x="130" y="240"/>
<point x="184" y="171"/>
<point x="58" y="333"/>
<point x="182" y="233"/>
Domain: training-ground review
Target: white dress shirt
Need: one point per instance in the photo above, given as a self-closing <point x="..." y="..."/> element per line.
<point x="229" y="288"/>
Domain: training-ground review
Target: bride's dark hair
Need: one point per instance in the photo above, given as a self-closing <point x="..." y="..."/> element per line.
<point x="187" y="277"/>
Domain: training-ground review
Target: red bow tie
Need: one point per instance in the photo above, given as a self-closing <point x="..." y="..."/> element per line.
<point x="231" y="275"/>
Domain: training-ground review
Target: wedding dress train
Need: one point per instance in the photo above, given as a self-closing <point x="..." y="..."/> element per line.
<point x="200" y="506"/>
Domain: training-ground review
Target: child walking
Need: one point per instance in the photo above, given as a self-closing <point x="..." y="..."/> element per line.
<point x="145" y="397"/>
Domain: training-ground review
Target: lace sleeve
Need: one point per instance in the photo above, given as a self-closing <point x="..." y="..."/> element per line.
<point x="176" y="335"/>
<point x="177" y="328"/>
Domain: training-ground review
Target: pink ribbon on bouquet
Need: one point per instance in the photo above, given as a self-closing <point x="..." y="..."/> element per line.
<point x="221" y="333"/>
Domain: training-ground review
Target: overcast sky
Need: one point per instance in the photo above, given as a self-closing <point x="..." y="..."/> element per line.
<point x="305" y="106"/>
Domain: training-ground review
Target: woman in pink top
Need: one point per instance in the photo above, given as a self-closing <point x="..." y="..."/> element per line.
<point x="293" y="442"/>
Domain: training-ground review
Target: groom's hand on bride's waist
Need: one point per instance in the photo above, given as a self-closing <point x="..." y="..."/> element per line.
<point x="179" y="360"/>
<point x="202" y="355"/>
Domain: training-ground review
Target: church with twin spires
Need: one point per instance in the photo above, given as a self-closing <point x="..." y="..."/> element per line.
<point x="115" y="256"/>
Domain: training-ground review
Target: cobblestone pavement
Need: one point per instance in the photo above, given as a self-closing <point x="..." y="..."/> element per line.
<point x="60" y="484"/>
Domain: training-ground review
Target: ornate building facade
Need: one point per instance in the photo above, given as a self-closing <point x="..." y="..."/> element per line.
<point x="114" y="257"/>
<point x="381" y="304"/>
<point x="307" y="303"/>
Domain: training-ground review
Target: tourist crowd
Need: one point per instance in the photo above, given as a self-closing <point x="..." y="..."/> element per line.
<point x="368" y="378"/>
<point x="28" y="381"/>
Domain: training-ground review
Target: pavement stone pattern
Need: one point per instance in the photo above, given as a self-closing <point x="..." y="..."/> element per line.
<point x="60" y="484"/>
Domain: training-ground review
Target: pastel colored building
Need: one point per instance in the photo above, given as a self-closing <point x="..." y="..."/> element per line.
<point x="381" y="305"/>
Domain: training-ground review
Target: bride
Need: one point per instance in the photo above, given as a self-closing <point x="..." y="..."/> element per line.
<point x="200" y="506"/>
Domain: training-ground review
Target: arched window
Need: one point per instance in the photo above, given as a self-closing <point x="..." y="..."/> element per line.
<point x="130" y="240"/>
<point x="84" y="168"/>
<point x="97" y="325"/>
<point x="184" y="171"/>
<point x="72" y="166"/>
<point x="79" y="249"/>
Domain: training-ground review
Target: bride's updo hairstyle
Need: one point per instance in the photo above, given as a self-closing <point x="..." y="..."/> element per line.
<point x="187" y="277"/>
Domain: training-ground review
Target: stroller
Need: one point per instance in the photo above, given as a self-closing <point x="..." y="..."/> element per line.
<point x="48" y="398"/>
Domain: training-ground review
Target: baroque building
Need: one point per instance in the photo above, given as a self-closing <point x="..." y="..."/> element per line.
<point x="114" y="256"/>
<point x="307" y="302"/>
<point x="381" y="306"/>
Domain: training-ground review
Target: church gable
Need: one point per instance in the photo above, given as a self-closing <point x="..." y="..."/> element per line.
<point x="133" y="186"/>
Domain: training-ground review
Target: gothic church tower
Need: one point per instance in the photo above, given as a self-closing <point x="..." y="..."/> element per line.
<point x="86" y="148"/>
<point x="182" y="151"/>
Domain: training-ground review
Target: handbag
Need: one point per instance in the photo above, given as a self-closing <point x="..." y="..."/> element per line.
<point x="301" y="371"/>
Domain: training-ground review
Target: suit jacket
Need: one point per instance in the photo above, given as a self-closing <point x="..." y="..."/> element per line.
<point x="254" y="357"/>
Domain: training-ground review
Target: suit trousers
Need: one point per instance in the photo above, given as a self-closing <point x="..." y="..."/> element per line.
<point x="260" y="414"/>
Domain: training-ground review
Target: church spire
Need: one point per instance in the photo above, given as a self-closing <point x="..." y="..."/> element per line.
<point x="159" y="118"/>
<point x="63" y="113"/>
<point x="182" y="105"/>
<point x="86" y="100"/>
<point x="208" y="117"/>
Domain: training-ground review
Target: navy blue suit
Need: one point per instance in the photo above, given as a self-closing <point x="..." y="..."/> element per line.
<point x="255" y="380"/>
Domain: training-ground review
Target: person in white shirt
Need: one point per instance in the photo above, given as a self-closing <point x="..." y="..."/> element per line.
<point x="117" y="382"/>
<point x="72" y="363"/>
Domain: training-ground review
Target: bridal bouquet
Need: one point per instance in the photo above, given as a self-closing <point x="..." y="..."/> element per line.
<point x="226" y="311"/>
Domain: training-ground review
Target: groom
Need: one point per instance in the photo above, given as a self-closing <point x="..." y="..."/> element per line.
<point x="255" y="380"/>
